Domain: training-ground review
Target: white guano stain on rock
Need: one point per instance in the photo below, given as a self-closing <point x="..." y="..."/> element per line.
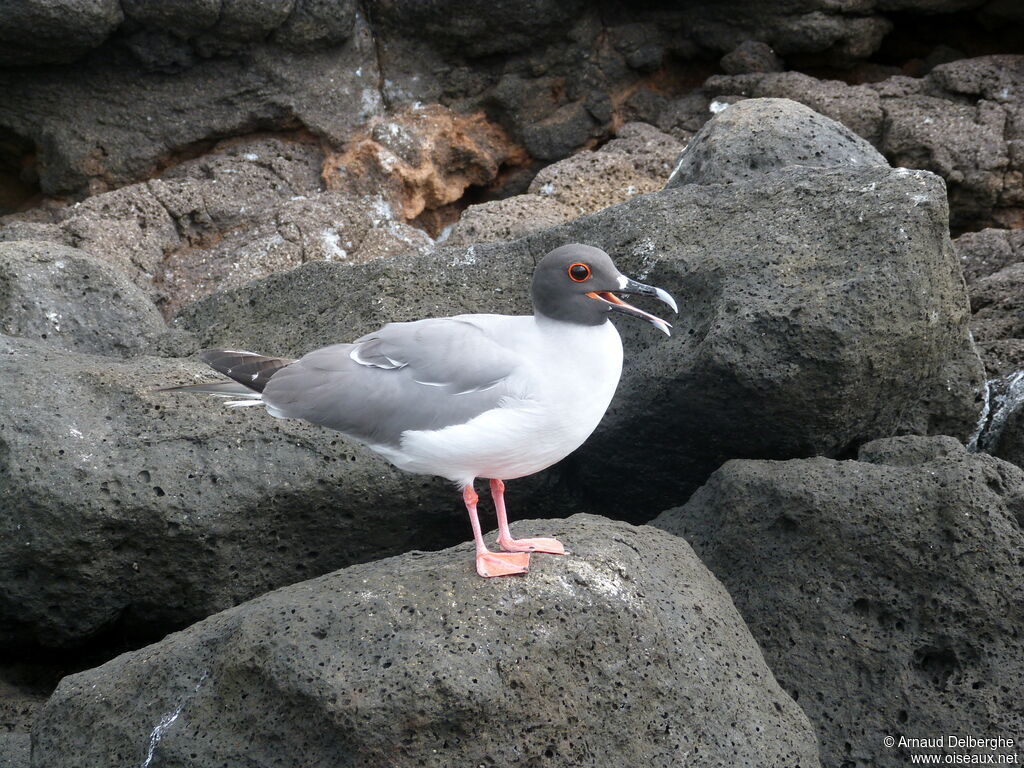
<point x="599" y="580"/>
<point x="167" y="721"/>
<point x="332" y="245"/>
<point x="717" y="106"/>
<point x="646" y="250"/>
<point x="1002" y="407"/>
<point x="466" y="259"/>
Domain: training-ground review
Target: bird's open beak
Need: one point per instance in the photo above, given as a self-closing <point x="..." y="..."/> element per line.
<point x="632" y="286"/>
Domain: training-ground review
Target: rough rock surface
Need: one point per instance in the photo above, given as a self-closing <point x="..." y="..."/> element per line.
<point x="885" y="592"/>
<point x="992" y="260"/>
<point x="153" y="80"/>
<point x="1006" y="431"/>
<point x="147" y="98"/>
<point x="48" y="31"/>
<point x="997" y="304"/>
<point x="628" y="652"/>
<point x="137" y="511"/>
<point x="820" y="309"/>
<point x="637" y="161"/>
<point x="24" y="688"/>
<point x="328" y="226"/>
<point x="751" y="56"/>
<point x="758" y="136"/>
<point x="59" y="294"/>
<point x="507" y="219"/>
<point x="246" y="210"/>
<point x="15" y="750"/>
<point x="988" y="251"/>
<point x="964" y="121"/>
<point x="423" y="158"/>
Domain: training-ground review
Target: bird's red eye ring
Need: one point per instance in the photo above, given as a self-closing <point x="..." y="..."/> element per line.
<point x="579" y="272"/>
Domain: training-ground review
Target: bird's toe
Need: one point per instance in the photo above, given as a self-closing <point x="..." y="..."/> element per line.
<point x="490" y="564"/>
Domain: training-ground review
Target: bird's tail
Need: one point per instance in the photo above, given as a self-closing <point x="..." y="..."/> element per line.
<point x="250" y="373"/>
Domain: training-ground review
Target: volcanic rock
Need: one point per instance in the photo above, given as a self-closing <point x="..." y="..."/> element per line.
<point x="241" y="212"/>
<point x="423" y="158"/>
<point x="156" y="95"/>
<point x="134" y="511"/>
<point x="638" y="161"/>
<point x="51" y="292"/>
<point x="508" y="219"/>
<point x="758" y="136"/>
<point x="962" y="121"/>
<point x="988" y="251"/>
<point x="992" y="260"/>
<point x="820" y="309"/>
<point x="751" y="56"/>
<point x="885" y="592"/>
<point x="628" y="652"/>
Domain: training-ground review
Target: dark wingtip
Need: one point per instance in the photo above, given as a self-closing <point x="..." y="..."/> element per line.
<point x="247" y="368"/>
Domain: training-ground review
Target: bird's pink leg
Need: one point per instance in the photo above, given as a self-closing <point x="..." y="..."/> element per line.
<point x="505" y="540"/>
<point x="491" y="563"/>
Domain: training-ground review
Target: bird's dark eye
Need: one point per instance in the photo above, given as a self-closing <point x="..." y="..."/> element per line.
<point x="579" y="272"/>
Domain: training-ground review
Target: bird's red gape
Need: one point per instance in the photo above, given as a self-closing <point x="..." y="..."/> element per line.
<point x="505" y="540"/>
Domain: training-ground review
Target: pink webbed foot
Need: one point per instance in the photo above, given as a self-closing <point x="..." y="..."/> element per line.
<point x="502" y="563"/>
<point x="505" y="540"/>
<point x="550" y="546"/>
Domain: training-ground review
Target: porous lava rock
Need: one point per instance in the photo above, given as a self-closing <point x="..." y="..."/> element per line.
<point x="962" y="121"/>
<point x="751" y="56"/>
<point x="60" y="294"/>
<point x="884" y="592"/>
<point x="819" y="309"/>
<point x="128" y="88"/>
<point x="758" y="136"/>
<point x="422" y="158"/>
<point x="245" y="210"/>
<point x="627" y="652"/>
<point x="986" y="252"/>
<point x="992" y="260"/>
<point x="507" y="219"/>
<point x="639" y="160"/>
<point x="132" y="511"/>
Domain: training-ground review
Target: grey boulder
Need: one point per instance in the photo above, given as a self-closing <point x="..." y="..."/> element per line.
<point x="757" y="136"/>
<point x="135" y="512"/>
<point x="148" y="100"/>
<point x="626" y="653"/>
<point x="65" y="296"/>
<point x="885" y="592"/>
<point x="1003" y="431"/>
<point x="986" y="252"/>
<point x="15" y="750"/>
<point x="46" y="31"/>
<point x="962" y="121"/>
<point x="820" y="309"/>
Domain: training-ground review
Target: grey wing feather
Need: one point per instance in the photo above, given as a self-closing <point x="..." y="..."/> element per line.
<point x="427" y="374"/>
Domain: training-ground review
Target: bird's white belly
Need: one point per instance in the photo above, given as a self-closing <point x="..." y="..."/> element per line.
<point x="556" y="414"/>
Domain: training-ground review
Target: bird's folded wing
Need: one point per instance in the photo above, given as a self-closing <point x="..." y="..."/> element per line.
<point x="407" y="376"/>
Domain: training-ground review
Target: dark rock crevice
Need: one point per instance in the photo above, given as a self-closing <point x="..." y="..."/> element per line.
<point x="19" y="175"/>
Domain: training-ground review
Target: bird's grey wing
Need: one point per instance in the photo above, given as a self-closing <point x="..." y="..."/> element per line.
<point x="427" y="374"/>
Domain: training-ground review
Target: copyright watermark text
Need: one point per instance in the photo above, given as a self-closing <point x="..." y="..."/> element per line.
<point x="952" y="749"/>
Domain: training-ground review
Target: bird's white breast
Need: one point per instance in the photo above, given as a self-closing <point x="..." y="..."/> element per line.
<point x="557" y="396"/>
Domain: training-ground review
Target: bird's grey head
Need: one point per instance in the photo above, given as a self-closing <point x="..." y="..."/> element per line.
<point x="577" y="284"/>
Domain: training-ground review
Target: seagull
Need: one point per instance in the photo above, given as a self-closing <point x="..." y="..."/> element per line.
<point x="465" y="397"/>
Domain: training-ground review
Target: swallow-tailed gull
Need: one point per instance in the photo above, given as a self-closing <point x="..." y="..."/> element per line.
<point x="495" y="396"/>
